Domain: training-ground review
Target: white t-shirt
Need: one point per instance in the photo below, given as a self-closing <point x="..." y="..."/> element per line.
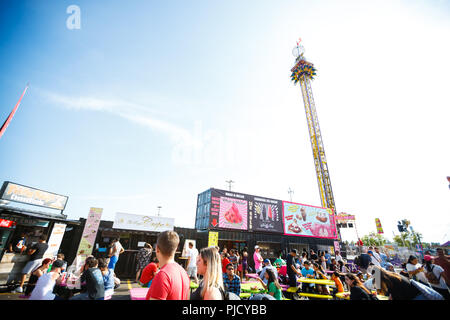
<point x="437" y="270"/>
<point x="339" y="258"/>
<point x="118" y="247"/>
<point x="376" y="255"/>
<point x="375" y="261"/>
<point x="192" y="253"/>
<point x="421" y="275"/>
<point x="44" y="288"/>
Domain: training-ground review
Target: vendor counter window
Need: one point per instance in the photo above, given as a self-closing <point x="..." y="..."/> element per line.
<point x="269" y="250"/>
<point x="299" y="247"/>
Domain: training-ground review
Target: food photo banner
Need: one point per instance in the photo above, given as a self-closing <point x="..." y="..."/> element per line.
<point x="266" y="215"/>
<point x="229" y="210"/>
<point x="308" y="221"/>
<point x="90" y="231"/>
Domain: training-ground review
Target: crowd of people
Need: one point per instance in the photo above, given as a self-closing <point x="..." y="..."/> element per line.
<point x="48" y="276"/>
<point x="219" y="274"/>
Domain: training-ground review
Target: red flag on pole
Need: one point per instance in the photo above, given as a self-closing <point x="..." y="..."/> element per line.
<point x="11" y="115"/>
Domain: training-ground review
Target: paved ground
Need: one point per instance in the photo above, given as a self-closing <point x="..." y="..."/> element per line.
<point x="121" y="293"/>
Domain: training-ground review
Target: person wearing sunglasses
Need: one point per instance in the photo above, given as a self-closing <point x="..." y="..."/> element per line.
<point x="231" y="282"/>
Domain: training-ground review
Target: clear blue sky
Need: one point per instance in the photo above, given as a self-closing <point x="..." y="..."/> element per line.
<point x="151" y="102"/>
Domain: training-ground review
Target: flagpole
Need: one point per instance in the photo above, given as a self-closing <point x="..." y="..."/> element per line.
<point x="11" y="115"/>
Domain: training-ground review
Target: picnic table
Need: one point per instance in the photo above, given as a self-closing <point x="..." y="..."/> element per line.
<point x="138" y="293"/>
<point x="316" y="281"/>
<point x="252" y="287"/>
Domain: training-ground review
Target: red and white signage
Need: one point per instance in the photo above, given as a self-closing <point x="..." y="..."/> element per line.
<point x="6" y="223"/>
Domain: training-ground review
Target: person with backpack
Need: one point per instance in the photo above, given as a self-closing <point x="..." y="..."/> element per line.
<point x="436" y="277"/>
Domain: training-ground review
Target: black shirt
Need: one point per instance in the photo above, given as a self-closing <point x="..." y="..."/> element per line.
<point x="365" y="260"/>
<point x="404" y="290"/>
<point x="356" y="293"/>
<point x="290" y="261"/>
<point x="40" y="250"/>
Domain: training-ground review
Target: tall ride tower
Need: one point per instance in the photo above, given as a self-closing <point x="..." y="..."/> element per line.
<point x="303" y="72"/>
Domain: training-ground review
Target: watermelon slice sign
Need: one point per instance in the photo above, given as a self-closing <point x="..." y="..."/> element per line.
<point x="233" y="215"/>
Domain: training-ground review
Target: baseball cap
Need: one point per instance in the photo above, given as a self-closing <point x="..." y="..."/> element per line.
<point x="427" y="258"/>
<point x="256" y="247"/>
<point x="57" y="264"/>
<point x="266" y="260"/>
<point x="370" y="251"/>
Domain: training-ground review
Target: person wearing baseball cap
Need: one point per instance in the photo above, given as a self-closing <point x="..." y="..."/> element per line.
<point x="436" y="276"/>
<point x="257" y="258"/>
<point x="267" y="265"/>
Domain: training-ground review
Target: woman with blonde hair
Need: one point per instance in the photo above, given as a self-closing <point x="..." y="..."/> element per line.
<point x="210" y="267"/>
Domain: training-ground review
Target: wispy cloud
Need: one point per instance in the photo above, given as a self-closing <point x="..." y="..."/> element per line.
<point x="120" y="198"/>
<point x="137" y="113"/>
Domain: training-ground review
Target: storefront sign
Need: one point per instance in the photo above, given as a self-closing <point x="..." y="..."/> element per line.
<point x="344" y="217"/>
<point x="55" y="239"/>
<point x="6" y="223"/>
<point x="90" y="232"/>
<point x="18" y="193"/>
<point x="24" y="221"/>
<point x="266" y="215"/>
<point x="143" y="223"/>
<point x="213" y="239"/>
<point x="308" y="221"/>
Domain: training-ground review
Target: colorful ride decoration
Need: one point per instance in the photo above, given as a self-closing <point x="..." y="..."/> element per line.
<point x="303" y="68"/>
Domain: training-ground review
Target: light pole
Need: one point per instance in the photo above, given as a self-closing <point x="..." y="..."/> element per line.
<point x="290" y="193"/>
<point x="159" y="209"/>
<point x="229" y="183"/>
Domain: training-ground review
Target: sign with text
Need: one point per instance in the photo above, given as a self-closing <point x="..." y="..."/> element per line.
<point x="18" y="193"/>
<point x="90" y="231"/>
<point x="344" y="217"/>
<point x="266" y="215"/>
<point x="229" y="210"/>
<point x="308" y="221"/>
<point x="55" y="239"/>
<point x="6" y="223"/>
<point x="143" y="223"/>
<point x="213" y="239"/>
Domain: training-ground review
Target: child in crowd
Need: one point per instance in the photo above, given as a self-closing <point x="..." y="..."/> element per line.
<point x="108" y="277"/>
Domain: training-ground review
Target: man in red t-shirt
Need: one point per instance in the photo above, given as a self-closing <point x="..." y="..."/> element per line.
<point x="172" y="281"/>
